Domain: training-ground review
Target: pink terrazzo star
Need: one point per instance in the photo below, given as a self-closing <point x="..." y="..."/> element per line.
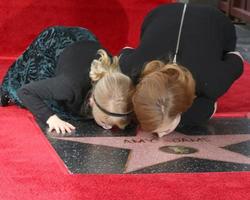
<point x="145" y="148"/>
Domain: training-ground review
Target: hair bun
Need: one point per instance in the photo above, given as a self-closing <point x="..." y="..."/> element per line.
<point x="151" y="67"/>
<point x="97" y="71"/>
<point x="174" y="72"/>
<point x="103" y="66"/>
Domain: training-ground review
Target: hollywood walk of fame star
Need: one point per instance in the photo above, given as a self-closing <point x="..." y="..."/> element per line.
<point x="146" y="149"/>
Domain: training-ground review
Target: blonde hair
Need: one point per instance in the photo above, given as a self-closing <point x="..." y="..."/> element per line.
<point x="112" y="89"/>
<point x="163" y="90"/>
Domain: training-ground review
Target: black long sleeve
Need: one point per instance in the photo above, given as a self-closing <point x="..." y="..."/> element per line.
<point x="69" y="86"/>
<point x="200" y="111"/>
<point x="33" y="94"/>
<point x="228" y="70"/>
<point x="206" y="37"/>
<point x="123" y="57"/>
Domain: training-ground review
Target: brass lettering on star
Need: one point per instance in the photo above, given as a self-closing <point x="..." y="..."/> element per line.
<point x="140" y="140"/>
<point x="179" y="140"/>
<point x="154" y="140"/>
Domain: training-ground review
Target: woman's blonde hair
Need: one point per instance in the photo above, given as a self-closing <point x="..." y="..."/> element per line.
<point x="112" y="89"/>
<point x="163" y="90"/>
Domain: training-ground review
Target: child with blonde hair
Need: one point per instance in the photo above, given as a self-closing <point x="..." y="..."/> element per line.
<point x="62" y="73"/>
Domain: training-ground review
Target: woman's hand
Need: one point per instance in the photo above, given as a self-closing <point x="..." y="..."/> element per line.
<point x="60" y="126"/>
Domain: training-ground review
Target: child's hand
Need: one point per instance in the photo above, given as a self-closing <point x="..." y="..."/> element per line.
<point x="60" y="126"/>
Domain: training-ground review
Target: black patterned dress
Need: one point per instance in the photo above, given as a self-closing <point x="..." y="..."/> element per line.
<point x="39" y="61"/>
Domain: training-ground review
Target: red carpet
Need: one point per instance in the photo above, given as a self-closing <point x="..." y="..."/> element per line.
<point x="29" y="167"/>
<point x="30" y="170"/>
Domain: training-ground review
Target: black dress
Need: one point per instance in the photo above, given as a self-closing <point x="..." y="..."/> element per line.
<point x="207" y="36"/>
<point x="52" y="75"/>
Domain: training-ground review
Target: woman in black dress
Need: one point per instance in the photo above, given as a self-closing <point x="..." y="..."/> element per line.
<point x="200" y="38"/>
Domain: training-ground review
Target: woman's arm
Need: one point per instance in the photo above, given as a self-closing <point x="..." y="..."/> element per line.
<point x="222" y="75"/>
<point x="126" y="60"/>
<point x="33" y="95"/>
<point x="199" y="113"/>
<point x="228" y="34"/>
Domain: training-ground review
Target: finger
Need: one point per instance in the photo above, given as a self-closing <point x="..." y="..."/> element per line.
<point x="62" y="128"/>
<point x="70" y="126"/>
<point x="68" y="130"/>
<point x="50" y="129"/>
<point x="57" y="130"/>
<point x="107" y="127"/>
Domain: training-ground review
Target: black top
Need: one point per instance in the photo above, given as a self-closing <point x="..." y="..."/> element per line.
<point x="207" y="36"/>
<point x="70" y="84"/>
